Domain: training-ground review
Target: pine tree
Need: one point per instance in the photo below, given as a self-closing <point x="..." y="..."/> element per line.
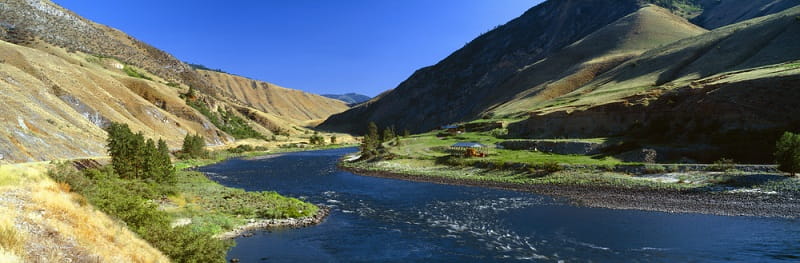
<point x="333" y="139"/>
<point x="787" y="153"/>
<point x="193" y="146"/>
<point x="388" y="135"/>
<point x="149" y="161"/>
<point x="120" y="147"/>
<point x="165" y="171"/>
<point x="372" y="135"/>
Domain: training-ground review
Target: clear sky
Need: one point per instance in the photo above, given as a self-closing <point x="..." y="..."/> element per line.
<point x="320" y="46"/>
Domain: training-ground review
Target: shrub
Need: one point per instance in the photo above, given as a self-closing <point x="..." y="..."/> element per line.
<point x="498" y="133"/>
<point x="787" y="153"/>
<point x="133" y="73"/>
<point x="550" y="167"/>
<point x="128" y="201"/>
<point x="11" y="239"/>
<point x="241" y="149"/>
<point x="654" y="169"/>
<point x="722" y="165"/>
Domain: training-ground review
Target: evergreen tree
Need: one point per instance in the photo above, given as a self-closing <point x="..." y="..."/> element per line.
<point x="388" y="135"/>
<point x="149" y="160"/>
<point x="120" y="147"/>
<point x="787" y="153"/>
<point x="165" y="172"/>
<point x="333" y="139"/>
<point x="193" y="146"/>
<point x="372" y="135"/>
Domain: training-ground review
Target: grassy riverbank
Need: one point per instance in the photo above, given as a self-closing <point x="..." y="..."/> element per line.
<point x="588" y="180"/>
<point x="184" y="219"/>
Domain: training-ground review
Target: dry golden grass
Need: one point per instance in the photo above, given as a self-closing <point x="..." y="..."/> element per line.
<point x="12" y="241"/>
<point x="8" y="257"/>
<point x="67" y="227"/>
<point x="93" y="230"/>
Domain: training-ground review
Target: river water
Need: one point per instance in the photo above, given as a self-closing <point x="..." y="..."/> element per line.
<point x="386" y="220"/>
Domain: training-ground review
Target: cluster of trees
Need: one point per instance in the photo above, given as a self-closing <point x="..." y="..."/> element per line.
<point x="194" y="147"/>
<point x="373" y="141"/>
<point x="133" y="157"/>
<point x="316" y="139"/>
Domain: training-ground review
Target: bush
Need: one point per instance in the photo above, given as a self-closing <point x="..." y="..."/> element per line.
<point x="241" y="149"/>
<point x="654" y="169"/>
<point x="550" y="167"/>
<point x="499" y="133"/>
<point x="787" y="153"/>
<point x="722" y="165"/>
<point x="128" y="201"/>
<point x="133" y="73"/>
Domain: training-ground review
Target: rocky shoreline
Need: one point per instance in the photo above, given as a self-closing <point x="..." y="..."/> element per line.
<point x="662" y="200"/>
<point x="262" y="224"/>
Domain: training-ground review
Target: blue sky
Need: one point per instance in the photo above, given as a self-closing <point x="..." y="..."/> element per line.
<point x="364" y="46"/>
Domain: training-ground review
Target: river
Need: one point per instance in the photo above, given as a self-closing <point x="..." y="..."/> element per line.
<point x="387" y="220"/>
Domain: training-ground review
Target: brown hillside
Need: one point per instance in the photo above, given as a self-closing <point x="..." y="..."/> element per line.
<point x="293" y="106"/>
<point x="56" y="103"/>
<point x="60" y="27"/>
<point x="591" y="56"/>
<point x="753" y="43"/>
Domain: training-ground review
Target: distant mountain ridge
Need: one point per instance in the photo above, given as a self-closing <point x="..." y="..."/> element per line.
<point x="349" y="98"/>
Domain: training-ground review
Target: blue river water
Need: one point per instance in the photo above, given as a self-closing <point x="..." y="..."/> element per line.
<point x="387" y="220"/>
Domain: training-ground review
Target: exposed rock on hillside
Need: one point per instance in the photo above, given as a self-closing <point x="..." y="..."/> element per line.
<point x="60" y="27"/>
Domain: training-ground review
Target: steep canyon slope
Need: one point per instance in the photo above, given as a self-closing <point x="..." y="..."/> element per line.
<point x="63" y="78"/>
<point x="550" y="51"/>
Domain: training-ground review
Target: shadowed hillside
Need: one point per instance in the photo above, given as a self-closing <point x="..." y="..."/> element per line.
<point x="538" y="57"/>
<point x="454" y="89"/>
<point x="587" y="58"/>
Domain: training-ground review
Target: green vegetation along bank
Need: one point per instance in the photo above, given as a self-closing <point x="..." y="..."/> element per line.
<point x="180" y="212"/>
<point x="722" y="188"/>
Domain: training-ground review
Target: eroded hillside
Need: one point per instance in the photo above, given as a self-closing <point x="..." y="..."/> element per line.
<point x="294" y="106"/>
<point x="64" y="78"/>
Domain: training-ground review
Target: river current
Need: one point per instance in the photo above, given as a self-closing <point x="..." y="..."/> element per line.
<point x="387" y="220"/>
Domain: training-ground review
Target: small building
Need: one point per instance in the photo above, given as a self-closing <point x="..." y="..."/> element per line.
<point x="463" y="146"/>
<point x="452" y="129"/>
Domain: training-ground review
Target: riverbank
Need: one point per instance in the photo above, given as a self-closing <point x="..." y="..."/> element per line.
<point x="236" y="212"/>
<point x="265" y="224"/>
<point x="650" y="197"/>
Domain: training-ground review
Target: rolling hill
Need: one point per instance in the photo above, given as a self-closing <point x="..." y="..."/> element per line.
<point x="64" y="78"/>
<point x="553" y="50"/>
